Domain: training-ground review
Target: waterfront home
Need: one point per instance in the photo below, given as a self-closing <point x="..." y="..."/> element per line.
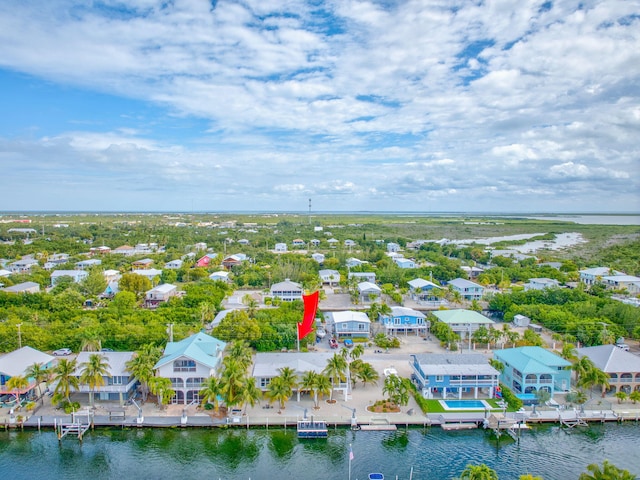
<point x="75" y="275"/>
<point x="463" y="322"/>
<point x="591" y="276"/>
<point x="119" y="383"/>
<point x="329" y="277"/>
<point x="25" y="287"/>
<point x="447" y="375"/>
<point x="348" y="324"/>
<point x="266" y="366"/>
<point x="220" y="276"/>
<point x="403" y="319"/>
<point x="188" y="363"/>
<point x="17" y="362"/>
<point x="92" y="262"/>
<point x="467" y="289"/>
<point x="174" y="264"/>
<point x="206" y="260"/>
<point x="368" y="292"/>
<point x="363" y="276"/>
<point x="161" y="293"/>
<point x="287" y="291"/>
<point x="541" y="284"/>
<point x="622" y="367"/>
<point x="531" y="369"/>
<point x="424" y="291"/>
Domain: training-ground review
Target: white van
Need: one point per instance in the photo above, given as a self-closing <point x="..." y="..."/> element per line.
<point x="623" y="346"/>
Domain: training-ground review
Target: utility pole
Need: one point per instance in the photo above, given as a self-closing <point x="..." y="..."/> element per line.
<point x="19" y="335"/>
<point x="170" y="331"/>
<point x="309" y="211"/>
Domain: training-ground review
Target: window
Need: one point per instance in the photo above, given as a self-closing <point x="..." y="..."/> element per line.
<point x="439" y="378"/>
<point x="264" y="382"/>
<point x="184" y="366"/>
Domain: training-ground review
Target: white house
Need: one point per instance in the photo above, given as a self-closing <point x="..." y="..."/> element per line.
<point x="541" y="284"/>
<point x="76" y="275"/>
<point x="393" y="247"/>
<point x="159" y="294"/>
<point x="119" y="383"/>
<point x="329" y="277"/>
<point x="463" y="322"/>
<point x="220" y="276"/>
<point x="467" y="289"/>
<point x="188" y="363"/>
<point x="280" y="247"/>
<point x="287" y="291"/>
<point x="368" y="290"/>
<point x="591" y="276"/>
<point x="354" y="262"/>
<point x="363" y="276"/>
<point x="174" y="264"/>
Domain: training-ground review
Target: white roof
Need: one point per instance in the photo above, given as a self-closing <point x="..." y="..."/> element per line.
<point x="4" y="273"/>
<point x="406" y="312"/>
<point x="611" y="359"/>
<point x="455" y="364"/>
<point x="164" y="288"/>
<point x="349" y="316"/>
<point x="16" y="362"/>
<point x="116" y="360"/>
<point x="364" y="286"/>
<point x="269" y="364"/>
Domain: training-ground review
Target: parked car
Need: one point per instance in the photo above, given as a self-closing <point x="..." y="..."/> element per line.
<point x="348" y="342"/>
<point x="321" y="332"/>
<point x="333" y="343"/>
<point x="106" y="349"/>
<point x="62" y="352"/>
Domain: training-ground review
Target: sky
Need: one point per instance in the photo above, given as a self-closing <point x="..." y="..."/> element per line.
<point x="267" y="105"/>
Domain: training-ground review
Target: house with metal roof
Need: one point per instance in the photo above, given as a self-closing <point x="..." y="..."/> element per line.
<point x="622" y="367"/>
<point x="463" y="322"/>
<point x="24" y="287"/>
<point x="591" y="276"/>
<point x="89" y="263"/>
<point x="541" y="284"/>
<point x="188" y="363"/>
<point x="76" y="275"/>
<point x="348" y="324"/>
<point x="530" y="369"/>
<point x="287" y="291"/>
<point x="159" y="294"/>
<point x="368" y="292"/>
<point x="405" y="320"/>
<point x="467" y="289"/>
<point x="424" y="291"/>
<point x="329" y="277"/>
<point x="119" y="383"/>
<point x="16" y="363"/>
<point x="446" y="375"/>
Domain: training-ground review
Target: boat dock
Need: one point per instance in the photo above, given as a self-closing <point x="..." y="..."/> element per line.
<point x="312" y="429"/>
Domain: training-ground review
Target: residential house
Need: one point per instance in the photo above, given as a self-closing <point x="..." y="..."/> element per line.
<point x="363" y="276"/>
<point x="298" y="243"/>
<point x="56" y="260"/>
<point x="16" y="363"/>
<point x="630" y="283"/>
<point x="150" y="273"/>
<point x="463" y="322"/>
<point x="405" y="262"/>
<point x="368" y="291"/>
<point x="142" y="264"/>
<point x="287" y="291"/>
<point x="119" y="383"/>
<point x="349" y="243"/>
<point x="126" y="250"/>
<point x="314" y="242"/>
<point x="467" y="289"/>
<point x="84" y="264"/>
<point x="76" y="275"/>
<point x="405" y="320"/>
<point x="332" y="241"/>
<point x="393" y="247"/>
<point x="174" y="264"/>
<point x="25" y="287"/>
<point x="200" y="246"/>
<point x="329" y="277"/>
<point x="318" y="257"/>
<point x="448" y="375"/>
<point x="243" y="241"/>
<point x="219" y="317"/>
<point x="4" y="273"/>
<point x="188" y="363"/>
<point x="23" y="265"/>
<point x="161" y="293"/>
<point x="348" y="324"/>
<point x="472" y="272"/>
<point x="354" y="262"/>
<point x="234" y="260"/>
<point x="266" y="366"/>
<point x="531" y="369"/>
<point x="280" y="247"/>
<point x="424" y="291"/>
<point x="541" y="284"/>
<point x="111" y="275"/>
<point x="206" y="260"/>
<point x="220" y="276"/>
<point x="591" y="276"/>
<point x="622" y="367"/>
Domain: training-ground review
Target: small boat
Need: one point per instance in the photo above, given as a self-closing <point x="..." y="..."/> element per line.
<point x="312" y="429"/>
<point x="376" y="476"/>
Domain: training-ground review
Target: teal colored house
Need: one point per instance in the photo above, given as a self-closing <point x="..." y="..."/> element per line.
<point x="530" y="369"/>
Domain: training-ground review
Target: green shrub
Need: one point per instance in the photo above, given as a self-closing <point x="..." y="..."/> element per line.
<point x="208" y="406"/>
<point x="70" y="407"/>
<point x="508" y="396"/>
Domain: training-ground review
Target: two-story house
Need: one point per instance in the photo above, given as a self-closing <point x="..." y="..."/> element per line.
<point x="348" y="324"/>
<point x="404" y="320"/>
<point x="463" y="322"/>
<point x="287" y="291"/>
<point x="119" y="383"/>
<point x="467" y="289"/>
<point x="188" y="363"/>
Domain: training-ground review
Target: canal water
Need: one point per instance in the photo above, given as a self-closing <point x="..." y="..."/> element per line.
<point x="549" y="451"/>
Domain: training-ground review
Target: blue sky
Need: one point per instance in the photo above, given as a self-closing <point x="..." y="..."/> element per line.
<point x="473" y="106"/>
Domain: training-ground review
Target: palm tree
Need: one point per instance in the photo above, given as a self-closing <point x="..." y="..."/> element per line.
<point x="161" y="388"/>
<point x="241" y="352"/>
<point x="368" y="374"/>
<point x="279" y="390"/>
<point x="335" y="369"/>
<point x="233" y="375"/>
<point x="211" y="391"/>
<point x="634" y="396"/>
<point x="594" y="377"/>
<point x="90" y="344"/>
<point x="569" y="352"/>
<point x="250" y="394"/>
<point x="308" y="384"/>
<point x="478" y="472"/>
<point x="16" y="385"/>
<point x="289" y="376"/>
<point x="356" y="352"/>
<point x="93" y="372"/>
<point x="40" y="374"/>
<point x="608" y="472"/>
<point x="497" y="364"/>
<point x="582" y="366"/>
<point x="141" y="366"/>
<point x="322" y="387"/>
<point x="65" y="378"/>
<point x="621" y="396"/>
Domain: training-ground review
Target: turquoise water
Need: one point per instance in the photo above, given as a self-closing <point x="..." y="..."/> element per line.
<point x="549" y="451"/>
<point x="453" y="404"/>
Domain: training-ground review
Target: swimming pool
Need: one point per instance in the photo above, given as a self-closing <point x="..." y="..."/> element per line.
<point x="464" y="404"/>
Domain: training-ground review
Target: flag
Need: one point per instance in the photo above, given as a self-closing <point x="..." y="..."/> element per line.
<point x="310" y="309"/>
<point x="350" y="453"/>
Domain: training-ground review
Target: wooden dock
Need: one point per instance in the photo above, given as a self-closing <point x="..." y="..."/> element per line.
<point x="458" y="426"/>
<point x="378" y="428"/>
